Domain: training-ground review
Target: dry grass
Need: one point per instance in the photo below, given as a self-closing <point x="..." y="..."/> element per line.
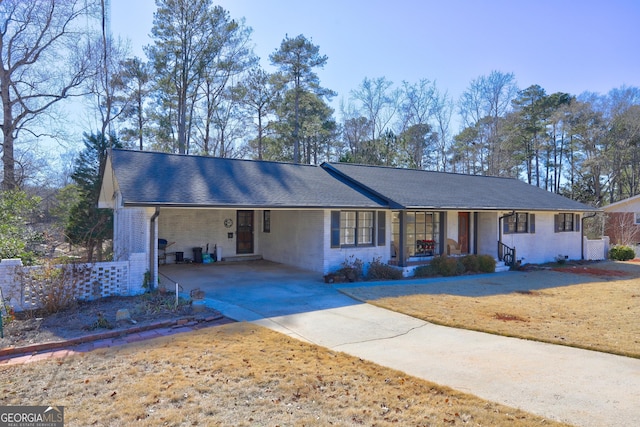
<point x="241" y="375"/>
<point x="599" y="311"/>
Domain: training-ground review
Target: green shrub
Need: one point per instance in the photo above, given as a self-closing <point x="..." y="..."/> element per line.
<point x="380" y="271"/>
<point x="486" y="264"/>
<point x="447" y="266"/>
<point x="471" y="263"/>
<point x="425" y="271"/>
<point x="621" y="253"/>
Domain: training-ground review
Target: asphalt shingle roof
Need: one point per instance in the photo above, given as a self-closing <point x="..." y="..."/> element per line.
<point x="412" y="188"/>
<point x="150" y="178"/>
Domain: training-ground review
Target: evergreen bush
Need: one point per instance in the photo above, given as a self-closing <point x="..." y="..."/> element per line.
<point x="622" y="253"/>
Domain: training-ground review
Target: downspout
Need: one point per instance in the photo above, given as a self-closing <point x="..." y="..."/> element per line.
<point x="153" y="243"/>
<point x="582" y="233"/>
<point x="500" y="221"/>
<point x="500" y="224"/>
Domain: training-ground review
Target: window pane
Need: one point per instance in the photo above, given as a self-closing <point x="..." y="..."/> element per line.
<point x="365" y="228"/>
<point x="348" y="228"/>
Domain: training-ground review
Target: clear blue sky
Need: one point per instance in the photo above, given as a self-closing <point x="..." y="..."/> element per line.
<point x="562" y="45"/>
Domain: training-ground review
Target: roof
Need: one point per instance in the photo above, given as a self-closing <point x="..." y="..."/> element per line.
<point x="414" y="188"/>
<point x="625" y="205"/>
<point x="147" y="178"/>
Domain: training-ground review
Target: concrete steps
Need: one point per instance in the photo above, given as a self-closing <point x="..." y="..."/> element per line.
<point x="500" y="267"/>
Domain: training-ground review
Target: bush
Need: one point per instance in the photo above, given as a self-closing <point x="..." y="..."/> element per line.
<point x="447" y="266"/>
<point x="425" y="271"/>
<point x="622" y="253"/>
<point x="381" y="271"/>
<point x="486" y="264"/>
<point x="351" y="269"/>
<point x="51" y="288"/>
<point x="471" y="263"/>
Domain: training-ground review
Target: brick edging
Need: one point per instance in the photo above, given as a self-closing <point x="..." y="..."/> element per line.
<point x="34" y="348"/>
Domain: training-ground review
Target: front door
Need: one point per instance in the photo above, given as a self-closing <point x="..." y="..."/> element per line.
<point x="244" y="233"/>
<point x="463" y="232"/>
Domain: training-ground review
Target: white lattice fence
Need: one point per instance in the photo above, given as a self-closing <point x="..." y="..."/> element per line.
<point x="596" y="250"/>
<point x="83" y="281"/>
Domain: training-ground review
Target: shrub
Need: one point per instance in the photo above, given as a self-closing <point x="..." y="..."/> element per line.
<point x="351" y="269"/>
<point x="447" y="266"/>
<point x="52" y="288"/>
<point x="425" y="271"/>
<point x="622" y="253"/>
<point x="486" y="264"/>
<point x="471" y="263"/>
<point x="380" y="271"/>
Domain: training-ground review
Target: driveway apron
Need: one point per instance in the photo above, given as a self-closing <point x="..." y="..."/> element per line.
<point x="579" y="387"/>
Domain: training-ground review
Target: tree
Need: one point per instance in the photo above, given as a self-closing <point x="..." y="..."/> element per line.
<point x="377" y="102"/>
<point x="16" y="210"/>
<point x="44" y="58"/>
<point x="135" y="78"/>
<point x="87" y="225"/>
<point x="297" y="58"/>
<point x="195" y="42"/>
<point x="258" y="93"/>
<point x="488" y="99"/>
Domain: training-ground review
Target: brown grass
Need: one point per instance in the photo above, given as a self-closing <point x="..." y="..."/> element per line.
<point x="241" y="375"/>
<point x="598" y="315"/>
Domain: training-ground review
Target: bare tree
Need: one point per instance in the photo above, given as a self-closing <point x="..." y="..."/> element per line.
<point x="44" y="59"/>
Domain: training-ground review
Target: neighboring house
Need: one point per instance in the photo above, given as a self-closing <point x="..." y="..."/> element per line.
<point x="315" y="217"/>
<point x="622" y="221"/>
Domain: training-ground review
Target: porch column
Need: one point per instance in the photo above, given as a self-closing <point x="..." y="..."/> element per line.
<point x="402" y="217"/>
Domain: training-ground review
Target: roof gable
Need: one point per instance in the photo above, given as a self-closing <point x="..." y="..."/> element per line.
<point x="414" y="188"/>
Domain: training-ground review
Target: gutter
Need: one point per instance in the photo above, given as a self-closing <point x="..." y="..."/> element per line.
<point x="582" y="232"/>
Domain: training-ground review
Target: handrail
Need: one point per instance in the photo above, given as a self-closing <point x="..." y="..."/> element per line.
<point x="506" y="254"/>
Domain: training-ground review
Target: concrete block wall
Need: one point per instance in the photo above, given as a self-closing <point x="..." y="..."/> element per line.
<point x="7" y="281"/>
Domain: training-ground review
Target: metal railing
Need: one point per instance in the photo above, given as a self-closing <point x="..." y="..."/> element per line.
<point x="506" y="254"/>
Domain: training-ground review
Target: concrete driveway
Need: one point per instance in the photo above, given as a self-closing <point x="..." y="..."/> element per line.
<point x="575" y="386"/>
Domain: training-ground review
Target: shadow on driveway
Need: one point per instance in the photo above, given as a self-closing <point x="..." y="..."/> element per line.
<point x="255" y="289"/>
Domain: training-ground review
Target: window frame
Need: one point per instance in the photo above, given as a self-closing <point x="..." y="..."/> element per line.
<point x="266" y="221"/>
<point x="357" y="228"/>
<point x="560" y="222"/>
<point x="514" y="224"/>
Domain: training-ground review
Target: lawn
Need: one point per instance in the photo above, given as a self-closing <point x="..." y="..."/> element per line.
<point x="241" y="375"/>
<point x="595" y="306"/>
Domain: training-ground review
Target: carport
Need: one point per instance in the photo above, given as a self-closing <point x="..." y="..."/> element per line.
<point x="252" y="290"/>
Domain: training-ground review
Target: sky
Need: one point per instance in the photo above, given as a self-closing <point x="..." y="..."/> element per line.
<point x="562" y="45"/>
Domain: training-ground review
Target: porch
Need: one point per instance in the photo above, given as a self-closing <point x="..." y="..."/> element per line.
<point x="419" y="235"/>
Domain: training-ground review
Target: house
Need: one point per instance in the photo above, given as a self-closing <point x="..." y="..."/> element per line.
<point x="622" y="221"/>
<point x="315" y="217"/>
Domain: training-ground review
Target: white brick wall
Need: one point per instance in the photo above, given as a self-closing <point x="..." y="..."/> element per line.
<point x="336" y="256"/>
<point x="545" y="244"/>
<point x="295" y="238"/>
<point x="191" y="228"/>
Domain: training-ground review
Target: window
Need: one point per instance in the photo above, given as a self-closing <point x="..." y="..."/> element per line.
<point x="266" y="222"/>
<point x="517" y="223"/>
<point x="422" y="236"/>
<point x="637" y="218"/>
<point x="567" y="222"/>
<point x="355" y="228"/>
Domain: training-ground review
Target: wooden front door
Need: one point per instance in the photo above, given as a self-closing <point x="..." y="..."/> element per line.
<point x="244" y="232"/>
<point x="463" y="231"/>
